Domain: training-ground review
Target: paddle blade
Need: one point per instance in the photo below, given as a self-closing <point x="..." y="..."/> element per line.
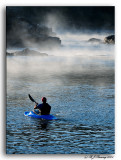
<point x="31" y="98"/>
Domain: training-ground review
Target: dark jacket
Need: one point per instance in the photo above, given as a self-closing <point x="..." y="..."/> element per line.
<point x="44" y="108"/>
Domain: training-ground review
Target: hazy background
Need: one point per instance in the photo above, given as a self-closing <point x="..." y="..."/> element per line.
<point x="50" y="27"/>
<point x="64" y="18"/>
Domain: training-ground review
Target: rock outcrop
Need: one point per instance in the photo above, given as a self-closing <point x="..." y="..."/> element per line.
<point x="107" y="40"/>
<point x="95" y="40"/>
<point x="23" y="34"/>
<point x="110" y="39"/>
<point x="9" y="54"/>
<point x="26" y="52"/>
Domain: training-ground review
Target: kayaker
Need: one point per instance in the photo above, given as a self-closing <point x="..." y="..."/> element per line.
<point x="44" y="108"/>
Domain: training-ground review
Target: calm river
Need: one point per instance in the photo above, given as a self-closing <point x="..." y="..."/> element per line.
<point x="81" y="93"/>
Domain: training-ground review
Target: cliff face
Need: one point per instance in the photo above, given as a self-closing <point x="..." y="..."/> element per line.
<point x="23" y="33"/>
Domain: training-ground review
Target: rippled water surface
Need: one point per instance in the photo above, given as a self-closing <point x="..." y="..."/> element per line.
<point x="81" y="96"/>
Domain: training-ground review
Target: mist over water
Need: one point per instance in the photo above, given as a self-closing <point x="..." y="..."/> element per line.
<point x="76" y="57"/>
<point x="78" y="81"/>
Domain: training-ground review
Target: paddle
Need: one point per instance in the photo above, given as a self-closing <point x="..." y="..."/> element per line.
<point x="30" y="97"/>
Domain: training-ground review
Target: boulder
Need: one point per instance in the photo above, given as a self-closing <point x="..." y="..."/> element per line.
<point x="95" y="40"/>
<point x="110" y="39"/>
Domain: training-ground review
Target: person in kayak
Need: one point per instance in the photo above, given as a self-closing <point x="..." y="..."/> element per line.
<point x="44" y="108"/>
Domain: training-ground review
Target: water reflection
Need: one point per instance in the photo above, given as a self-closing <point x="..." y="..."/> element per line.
<point x="42" y="125"/>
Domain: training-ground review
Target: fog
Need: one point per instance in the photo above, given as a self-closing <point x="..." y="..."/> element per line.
<point x="77" y="58"/>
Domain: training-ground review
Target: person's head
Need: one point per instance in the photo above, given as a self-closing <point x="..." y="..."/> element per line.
<point x="44" y="99"/>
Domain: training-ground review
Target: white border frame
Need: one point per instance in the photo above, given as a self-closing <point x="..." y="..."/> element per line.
<point x="3" y="5"/>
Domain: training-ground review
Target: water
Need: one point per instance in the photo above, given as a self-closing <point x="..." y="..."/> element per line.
<point x="78" y="81"/>
<point x="81" y="93"/>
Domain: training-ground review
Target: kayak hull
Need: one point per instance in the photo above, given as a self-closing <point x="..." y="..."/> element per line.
<point x="34" y="115"/>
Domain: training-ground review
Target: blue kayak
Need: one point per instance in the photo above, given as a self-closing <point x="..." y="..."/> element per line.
<point x="34" y="115"/>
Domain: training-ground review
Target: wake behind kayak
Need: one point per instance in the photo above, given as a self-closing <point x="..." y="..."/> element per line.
<point x="34" y="115"/>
